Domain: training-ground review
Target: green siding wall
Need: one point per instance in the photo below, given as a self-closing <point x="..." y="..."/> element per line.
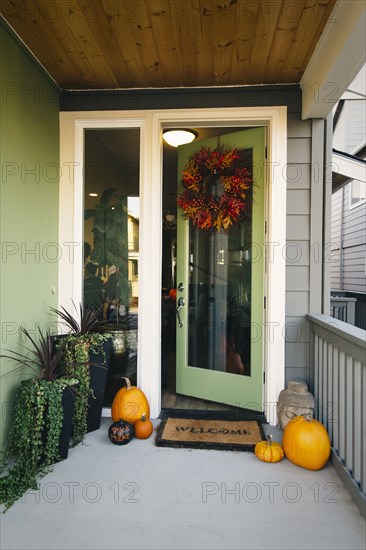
<point x="29" y="154"/>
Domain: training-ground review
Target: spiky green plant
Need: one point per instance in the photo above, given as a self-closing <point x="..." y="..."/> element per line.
<point x="34" y="437"/>
<point x="88" y="319"/>
<point x="76" y="348"/>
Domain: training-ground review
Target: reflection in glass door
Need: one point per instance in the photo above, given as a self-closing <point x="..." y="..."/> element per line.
<point x="221" y="301"/>
<point x="220" y="293"/>
<point x="111" y="242"/>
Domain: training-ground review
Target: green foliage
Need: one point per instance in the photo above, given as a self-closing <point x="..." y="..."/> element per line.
<point x="34" y="436"/>
<point x="76" y="349"/>
<point x="111" y="238"/>
<point x="76" y="354"/>
<point x="41" y="358"/>
<point x="88" y="319"/>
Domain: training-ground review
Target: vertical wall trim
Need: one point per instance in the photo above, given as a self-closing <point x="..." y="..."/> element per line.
<point x="149" y="318"/>
<point x="316" y="215"/>
<point x="327" y="214"/>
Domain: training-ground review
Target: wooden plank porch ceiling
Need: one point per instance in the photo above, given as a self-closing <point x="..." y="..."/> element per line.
<point x="110" y="44"/>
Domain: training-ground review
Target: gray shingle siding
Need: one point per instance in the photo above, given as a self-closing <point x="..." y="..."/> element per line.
<point x="298" y="223"/>
<point x="349" y="239"/>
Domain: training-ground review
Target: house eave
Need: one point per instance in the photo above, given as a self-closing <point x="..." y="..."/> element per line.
<point x="338" y="57"/>
<point x="348" y="166"/>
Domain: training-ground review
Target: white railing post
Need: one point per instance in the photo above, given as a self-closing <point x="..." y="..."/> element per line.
<point x="338" y="361"/>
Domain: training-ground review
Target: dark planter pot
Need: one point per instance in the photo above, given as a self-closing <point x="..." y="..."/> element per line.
<point x="123" y="358"/>
<point x="67" y="402"/>
<point x="98" y="379"/>
<point x="120" y="365"/>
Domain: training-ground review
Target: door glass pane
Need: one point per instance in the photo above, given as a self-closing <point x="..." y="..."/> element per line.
<point x="220" y="293"/>
<point x="111" y="240"/>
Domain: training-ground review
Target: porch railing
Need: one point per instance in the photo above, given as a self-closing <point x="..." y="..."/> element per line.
<point x="359" y="306"/>
<point x="338" y="361"/>
<point x="343" y="308"/>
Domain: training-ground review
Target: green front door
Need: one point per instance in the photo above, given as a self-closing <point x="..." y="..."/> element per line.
<point x="220" y="276"/>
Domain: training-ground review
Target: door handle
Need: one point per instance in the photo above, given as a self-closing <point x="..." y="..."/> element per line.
<point x="181" y="304"/>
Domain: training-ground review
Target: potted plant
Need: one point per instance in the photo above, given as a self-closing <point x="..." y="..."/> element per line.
<point x="42" y="424"/>
<point x="110" y="246"/>
<point x="110" y="252"/>
<point x="86" y="353"/>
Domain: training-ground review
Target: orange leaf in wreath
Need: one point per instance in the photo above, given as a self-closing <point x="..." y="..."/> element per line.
<point x="203" y="206"/>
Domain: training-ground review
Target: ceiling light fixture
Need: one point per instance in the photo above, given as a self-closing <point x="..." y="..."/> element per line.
<point x="93" y="194"/>
<point x="179" y="136"/>
<point x="170" y="221"/>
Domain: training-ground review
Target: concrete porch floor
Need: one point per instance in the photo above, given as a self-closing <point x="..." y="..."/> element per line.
<point x="140" y="496"/>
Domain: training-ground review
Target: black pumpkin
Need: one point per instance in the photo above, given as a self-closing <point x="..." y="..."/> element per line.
<point x="121" y="432"/>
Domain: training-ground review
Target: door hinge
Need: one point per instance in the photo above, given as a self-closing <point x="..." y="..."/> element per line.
<point x="265" y="152"/>
<point x="264" y="302"/>
<point x="265" y="228"/>
<point x="264" y="377"/>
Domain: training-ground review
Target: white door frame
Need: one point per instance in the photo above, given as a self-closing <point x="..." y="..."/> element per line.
<point x="151" y="124"/>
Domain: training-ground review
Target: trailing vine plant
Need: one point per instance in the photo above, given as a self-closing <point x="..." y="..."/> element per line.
<point x="33" y="442"/>
<point x="34" y="437"/>
<point x="83" y="340"/>
<point x="76" y="352"/>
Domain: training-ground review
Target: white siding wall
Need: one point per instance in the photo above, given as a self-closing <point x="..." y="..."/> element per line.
<point x="348" y="270"/>
<point x="336" y="240"/>
<point x="349" y="135"/>
<point x="339" y="135"/>
<point x="354" y="242"/>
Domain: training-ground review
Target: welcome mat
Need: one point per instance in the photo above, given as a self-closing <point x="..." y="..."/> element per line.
<point x="231" y="435"/>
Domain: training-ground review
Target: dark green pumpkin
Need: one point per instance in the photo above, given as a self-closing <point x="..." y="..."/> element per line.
<point x="121" y="432"/>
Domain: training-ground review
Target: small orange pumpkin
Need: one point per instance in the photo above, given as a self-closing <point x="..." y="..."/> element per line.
<point x="129" y="404"/>
<point x="306" y="442"/>
<point x="143" y="427"/>
<point x="269" y="451"/>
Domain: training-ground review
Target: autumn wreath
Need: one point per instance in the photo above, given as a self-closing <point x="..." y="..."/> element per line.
<point x="199" y="201"/>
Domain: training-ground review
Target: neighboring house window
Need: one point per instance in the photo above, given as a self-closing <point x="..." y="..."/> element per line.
<point x="357" y="195"/>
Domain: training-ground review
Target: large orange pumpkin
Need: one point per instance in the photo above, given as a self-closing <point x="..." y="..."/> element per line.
<point x="306" y="442"/>
<point x="129" y="404"/>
